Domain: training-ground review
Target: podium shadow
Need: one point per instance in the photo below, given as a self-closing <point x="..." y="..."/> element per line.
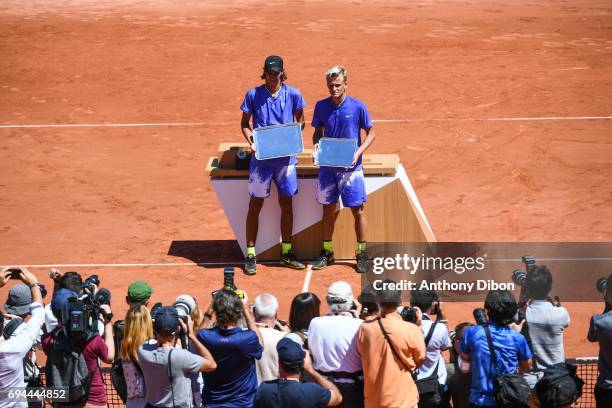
<point x="215" y="253"/>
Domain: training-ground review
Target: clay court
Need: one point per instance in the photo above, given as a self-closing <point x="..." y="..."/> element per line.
<point x="109" y="111"/>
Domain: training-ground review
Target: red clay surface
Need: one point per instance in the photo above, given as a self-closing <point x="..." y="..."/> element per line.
<point x="125" y="194"/>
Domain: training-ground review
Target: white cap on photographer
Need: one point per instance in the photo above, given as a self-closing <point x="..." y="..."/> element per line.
<point x="340" y="297"/>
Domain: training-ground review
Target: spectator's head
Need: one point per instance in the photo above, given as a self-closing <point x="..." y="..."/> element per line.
<point x="538" y="283"/>
<point x="139" y="292"/>
<point x="340" y="297"/>
<point x="304" y="307"/>
<point x="500" y="306"/>
<point x="166" y="323"/>
<point x="290" y="357"/>
<point x="368" y="301"/>
<point x="388" y="299"/>
<point x="138" y="329"/>
<point x="228" y="308"/>
<point x="423" y="299"/>
<point x="458" y="334"/>
<point x="265" y="308"/>
<point x="61" y="301"/>
<point x="71" y="281"/>
<point x="19" y="300"/>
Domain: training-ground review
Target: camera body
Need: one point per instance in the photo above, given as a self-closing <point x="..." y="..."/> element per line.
<point x="409" y="314"/>
<point x="81" y="319"/>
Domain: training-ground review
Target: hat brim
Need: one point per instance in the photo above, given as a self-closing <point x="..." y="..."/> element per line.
<point x="274" y="69"/>
<point x="17" y="310"/>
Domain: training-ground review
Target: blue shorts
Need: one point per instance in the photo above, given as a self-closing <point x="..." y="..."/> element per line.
<point x="261" y="176"/>
<point x="349" y="185"/>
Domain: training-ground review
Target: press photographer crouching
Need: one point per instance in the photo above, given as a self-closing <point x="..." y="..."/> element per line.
<point x="600" y="331"/>
<point x="167" y="369"/>
<point x="14" y="348"/>
<point x="77" y="335"/>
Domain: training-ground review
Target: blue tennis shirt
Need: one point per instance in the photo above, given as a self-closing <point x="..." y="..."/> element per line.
<point x="234" y="382"/>
<point x="344" y="121"/>
<point x="268" y="110"/>
<point x="510" y="348"/>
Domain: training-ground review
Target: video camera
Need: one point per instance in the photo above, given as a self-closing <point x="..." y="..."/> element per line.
<point x="81" y="316"/>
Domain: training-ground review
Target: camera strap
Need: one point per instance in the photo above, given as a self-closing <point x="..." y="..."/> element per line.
<point x="170" y="377"/>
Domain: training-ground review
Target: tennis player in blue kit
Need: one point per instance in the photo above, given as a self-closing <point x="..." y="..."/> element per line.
<point x="342" y="116"/>
<point x="273" y="103"/>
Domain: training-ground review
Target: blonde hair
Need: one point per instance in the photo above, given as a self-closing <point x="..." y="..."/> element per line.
<point x="138" y="329"/>
<point x="197" y="316"/>
<point x="335" y="71"/>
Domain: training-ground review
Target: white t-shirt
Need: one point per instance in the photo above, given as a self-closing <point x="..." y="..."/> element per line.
<point x="12" y="352"/>
<point x="439" y="341"/>
<point x="332" y="342"/>
<point x="267" y="366"/>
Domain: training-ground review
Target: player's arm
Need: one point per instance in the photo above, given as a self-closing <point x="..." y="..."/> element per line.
<point x="364" y="146"/>
<point x="247" y="132"/>
<point x="299" y="117"/>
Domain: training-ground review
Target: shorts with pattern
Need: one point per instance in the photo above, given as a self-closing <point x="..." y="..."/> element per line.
<point x="262" y="174"/>
<point x="348" y="185"/>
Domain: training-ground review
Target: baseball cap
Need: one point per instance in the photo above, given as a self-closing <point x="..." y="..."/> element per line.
<point x="166" y="320"/>
<point x="290" y="354"/>
<point x="60" y="300"/>
<point x="273" y="63"/>
<point x="19" y="300"/>
<point x="139" y="291"/>
<point x="339" y="292"/>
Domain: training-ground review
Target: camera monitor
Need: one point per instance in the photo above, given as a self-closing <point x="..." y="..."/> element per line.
<point x="334" y="152"/>
<point x="276" y="141"/>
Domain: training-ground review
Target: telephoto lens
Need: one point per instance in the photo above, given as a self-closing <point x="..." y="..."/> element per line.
<point x="480" y="316"/>
<point x="602" y="285"/>
<point x="518" y="277"/>
<point x="228" y="278"/>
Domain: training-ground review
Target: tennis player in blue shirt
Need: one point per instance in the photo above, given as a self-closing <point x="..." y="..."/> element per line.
<point x="342" y="116"/>
<point x="273" y="103"/>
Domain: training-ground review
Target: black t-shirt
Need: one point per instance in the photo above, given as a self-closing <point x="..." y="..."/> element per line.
<point x="291" y="394"/>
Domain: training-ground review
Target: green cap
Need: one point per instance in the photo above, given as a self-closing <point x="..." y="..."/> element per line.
<point x="139" y="291"/>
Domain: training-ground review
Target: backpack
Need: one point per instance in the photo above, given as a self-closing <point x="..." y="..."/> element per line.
<point x="66" y="367"/>
<point x="559" y="386"/>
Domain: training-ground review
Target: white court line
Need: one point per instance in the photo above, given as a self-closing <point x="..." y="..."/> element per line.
<point x="124" y="265"/>
<point x="517" y="119"/>
<point x="307" y="278"/>
<point x="193" y="124"/>
<point x="84" y="125"/>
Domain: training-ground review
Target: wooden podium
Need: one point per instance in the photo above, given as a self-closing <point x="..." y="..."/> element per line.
<point x="393" y="210"/>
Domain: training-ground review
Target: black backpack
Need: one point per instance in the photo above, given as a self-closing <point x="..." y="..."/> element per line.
<point x="509" y="390"/>
<point x="66" y="367"/>
<point x="559" y="386"/>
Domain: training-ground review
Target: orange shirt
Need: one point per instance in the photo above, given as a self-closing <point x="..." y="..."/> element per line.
<point x="387" y="382"/>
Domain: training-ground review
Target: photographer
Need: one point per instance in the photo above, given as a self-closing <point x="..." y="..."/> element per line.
<point x="265" y="309"/>
<point x="544" y="325"/>
<point x="167" y="370"/>
<point x="15" y="348"/>
<point x="234" y="382"/>
<point x="332" y="342"/>
<point x="600" y="331"/>
<point x="391" y="349"/>
<point x="83" y="341"/>
<point x="437" y="340"/>
<point x="511" y="347"/>
<point x="69" y="280"/>
<point x="288" y="391"/>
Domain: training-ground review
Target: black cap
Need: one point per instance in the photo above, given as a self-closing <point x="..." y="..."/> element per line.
<point x="273" y="63"/>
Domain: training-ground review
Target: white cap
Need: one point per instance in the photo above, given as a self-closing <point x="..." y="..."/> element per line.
<point x="340" y="292"/>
